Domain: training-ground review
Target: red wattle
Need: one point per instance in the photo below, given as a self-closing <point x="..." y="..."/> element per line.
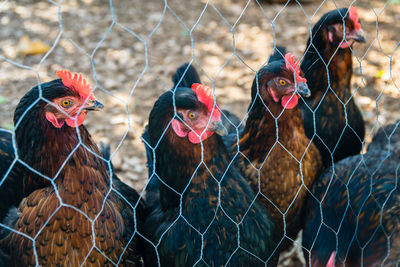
<point x="194" y="138"/>
<point x="80" y="119"/>
<point x="53" y="119"/>
<point x="290" y="101"/>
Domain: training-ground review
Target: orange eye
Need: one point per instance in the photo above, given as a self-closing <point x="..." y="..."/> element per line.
<point x="341" y="28"/>
<point x="66" y="103"/>
<point x="191" y="115"/>
<point x="282" y="82"/>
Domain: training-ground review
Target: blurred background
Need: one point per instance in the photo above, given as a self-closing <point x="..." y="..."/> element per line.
<point x="128" y="50"/>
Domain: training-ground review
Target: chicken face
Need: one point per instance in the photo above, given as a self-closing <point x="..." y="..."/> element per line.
<point x="349" y="33"/>
<point x="72" y="108"/>
<point x="286" y="92"/>
<point x="199" y="122"/>
<point x="288" y="84"/>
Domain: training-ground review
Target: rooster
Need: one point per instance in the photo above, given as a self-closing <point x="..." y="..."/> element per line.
<point x="206" y="211"/>
<point x="359" y="201"/>
<point x="331" y="117"/>
<point x="273" y="152"/>
<point x="74" y="216"/>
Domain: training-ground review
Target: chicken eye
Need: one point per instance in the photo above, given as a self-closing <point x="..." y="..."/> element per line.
<point x="192" y="115"/>
<point x="66" y="103"/>
<point x="341" y="28"/>
<point x="282" y="82"/>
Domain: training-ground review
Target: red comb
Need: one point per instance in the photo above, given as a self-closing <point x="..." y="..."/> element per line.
<point x="331" y="261"/>
<point x="294" y="67"/>
<point x="205" y="95"/>
<point x="76" y="83"/>
<point x="353" y="16"/>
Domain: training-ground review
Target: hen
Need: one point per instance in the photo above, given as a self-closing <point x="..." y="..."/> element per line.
<point x="184" y="76"/>
<point x="359" y="202"/>
<point x="206" y="213"/>
<point x="339" y="128"/>
<point x="74" y="217"/>
<point x="273" y="152"/>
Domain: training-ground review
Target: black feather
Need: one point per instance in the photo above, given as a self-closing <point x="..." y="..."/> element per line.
<point x="176" y="162"/>
<point x="359" y="203"/>
<point x="337" y="129"/>
<point x="279" y="54"/>
<point x="185" y="76"/>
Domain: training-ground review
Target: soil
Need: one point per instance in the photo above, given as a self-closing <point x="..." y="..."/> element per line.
<point x="128" y="50"/>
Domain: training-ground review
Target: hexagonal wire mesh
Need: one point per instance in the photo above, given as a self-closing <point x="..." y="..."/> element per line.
<point x="131" y="50"/>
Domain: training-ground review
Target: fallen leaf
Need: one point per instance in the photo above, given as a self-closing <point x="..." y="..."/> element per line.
<point x="27" y="47"/>
<point x="379" y="73"/>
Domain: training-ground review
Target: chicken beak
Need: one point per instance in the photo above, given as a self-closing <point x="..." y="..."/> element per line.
<point x="219" y="128"/>
<point x="302" y="89"/>
<point x="357" y="35"/>
<point x="94" y="105"/>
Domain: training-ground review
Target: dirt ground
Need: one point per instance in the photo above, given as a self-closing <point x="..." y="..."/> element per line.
<point x="129" y="50"/>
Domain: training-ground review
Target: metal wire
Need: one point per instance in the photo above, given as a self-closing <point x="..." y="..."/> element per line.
<point x="168" y="9"/>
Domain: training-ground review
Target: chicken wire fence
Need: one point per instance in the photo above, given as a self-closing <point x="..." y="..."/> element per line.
<point x="192" y="22"/>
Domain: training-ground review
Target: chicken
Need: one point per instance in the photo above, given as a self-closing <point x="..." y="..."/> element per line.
<point x="74" y="217"/>
<point x="339" y="128"/>
<point x="206" y="212"/>
<point x="13" y="190"/>
<point x="184" y="76"/>
<point x="273" y="152"/>
<point x="359" y="202"/>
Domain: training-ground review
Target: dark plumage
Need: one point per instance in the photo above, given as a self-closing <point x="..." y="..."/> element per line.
<point x="11" y="173"/>
<point x="360" y="207"/>
<point x="185" y="76"/>
<point x="13" y="190"/>
<point x="339" y="127"/>
<point x="271" y="149"/>
<point x="387" y="139"/>
<point x="45" y="138"/>
<point x="202" y="201"/>
<point x="125" y="190"/>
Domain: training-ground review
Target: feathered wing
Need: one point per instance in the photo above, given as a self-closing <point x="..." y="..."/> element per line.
<point x="11" y="188"/>
<point x="387" y="135"/>
<point x="360" y="212"/>
<point x="237" y="215"/>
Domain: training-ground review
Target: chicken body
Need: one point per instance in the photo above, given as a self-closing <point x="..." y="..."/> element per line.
<point x="206" y="213"/>
<point x="328" y="67"/>
<point x="77" y="219"/>
<point x="359" y="204"/>
<point x="276" y="157"/>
